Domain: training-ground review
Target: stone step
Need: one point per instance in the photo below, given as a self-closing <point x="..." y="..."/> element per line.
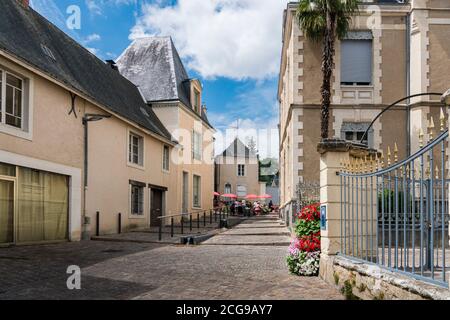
<point x="262" y="240"/>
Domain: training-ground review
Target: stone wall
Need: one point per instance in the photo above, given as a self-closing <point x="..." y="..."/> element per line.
<point x="358" y="280"/>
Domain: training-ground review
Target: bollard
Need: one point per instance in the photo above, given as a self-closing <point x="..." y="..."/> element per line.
<point x="160" y="230"/>
<point x="210" y="216"/>
<point x="171" y="227"/>
<point x="182" y="224"/>
<point x="190" y="222"/>
<point x="120" y="222"/>
<point x="198" y="220"/>
<point x="97" y="226"/>
<point x="204" y="218"/>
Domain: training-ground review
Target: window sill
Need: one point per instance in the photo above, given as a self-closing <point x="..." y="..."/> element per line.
<point x="135" y="166"/>
<point x="136" y="217"/>
<point x="13" y="131"/>
<point x="347" y="86"/>
<point x="165" y="171"/>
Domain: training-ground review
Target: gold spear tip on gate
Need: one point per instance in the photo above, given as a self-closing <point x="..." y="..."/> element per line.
<point x="395" y="152"/>
<point x="442" y="120"/>
<point x="437" y="172"/>
<point x="382" y="161"/>
<point x="389" y="156"/>
<point x="421" y="138"/>
<point x="430" y="128"/>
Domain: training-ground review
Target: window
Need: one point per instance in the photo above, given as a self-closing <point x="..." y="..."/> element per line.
<point x="135" y="150"/>
<point x="356" y="59"/>
<point x="197" y="145"/>
<point x="11" y="99"/>
<point x="354" y="132"/>
<point x="197" y="191"/>
<point x="166" y="158"/>
<point x="227" y="188"/>
<point x="241" y="170"/>
<point x="137" y="200"/>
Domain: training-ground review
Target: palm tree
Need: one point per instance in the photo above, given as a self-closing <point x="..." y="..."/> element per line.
<point x="324" y="20"/>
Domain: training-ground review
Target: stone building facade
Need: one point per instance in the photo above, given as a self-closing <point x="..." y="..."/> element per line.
<point x="237" y="171"/>
<point x="393" y="50"/>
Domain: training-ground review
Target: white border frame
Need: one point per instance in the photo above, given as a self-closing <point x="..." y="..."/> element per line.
<point x="75" y="186"/>
<point x="27" y="101"/>
<point x="130" y="164"/>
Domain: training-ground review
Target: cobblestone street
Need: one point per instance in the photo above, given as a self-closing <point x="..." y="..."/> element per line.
<point x="124" y="270"/>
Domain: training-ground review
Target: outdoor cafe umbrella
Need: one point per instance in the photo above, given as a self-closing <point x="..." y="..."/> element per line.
<point x="251" y="197"/>
<point x="216" y="194"/>
<point x="265" y="196"/>
<point x="229" y="195"/>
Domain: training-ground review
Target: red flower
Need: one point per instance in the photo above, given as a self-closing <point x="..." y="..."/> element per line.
<point x="310" y="213"/>
<point x="309" y="243"/>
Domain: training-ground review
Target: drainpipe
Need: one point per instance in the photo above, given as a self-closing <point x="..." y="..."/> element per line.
<point x="408" y="83"/>
<point x="86" y="119"/>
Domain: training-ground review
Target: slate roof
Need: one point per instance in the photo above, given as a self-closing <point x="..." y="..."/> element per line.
<point x="154" y="65"/>
<point x="24" y="32"/>
<point x="238" y="149"/>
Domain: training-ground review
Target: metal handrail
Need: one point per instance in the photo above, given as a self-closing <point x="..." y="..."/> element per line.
<point x="190" y="214"/>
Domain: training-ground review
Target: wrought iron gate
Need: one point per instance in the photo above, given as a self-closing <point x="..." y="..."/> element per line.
<point x="398" y="216"/>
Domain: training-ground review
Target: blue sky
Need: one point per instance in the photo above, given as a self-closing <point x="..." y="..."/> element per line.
<point x="233" y="46"/>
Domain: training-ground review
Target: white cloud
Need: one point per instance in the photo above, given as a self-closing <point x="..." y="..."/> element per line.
<point x="92" y="37"/>
<point x="256" y="109"/>
<point x="236" y="39"/>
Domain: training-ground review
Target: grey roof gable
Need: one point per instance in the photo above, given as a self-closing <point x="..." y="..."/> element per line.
<point x="238" y="149"/>
<point x="154" y="65"/>
<point x="23" y="32"/>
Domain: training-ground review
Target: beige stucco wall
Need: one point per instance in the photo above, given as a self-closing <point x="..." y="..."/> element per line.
<point x="109" y="175"/>
<point x="181" y="122"/>
<point x="58" y="138"/>
<point x="55" y="143"/>
<point x="227" y="172"/>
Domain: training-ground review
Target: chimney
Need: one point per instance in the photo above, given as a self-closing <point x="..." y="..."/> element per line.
<point x="112" y="64"/>
<point x="25" y="3"/>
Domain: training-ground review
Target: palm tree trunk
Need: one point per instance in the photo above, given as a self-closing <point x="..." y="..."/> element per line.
<point x="327" y="70"/>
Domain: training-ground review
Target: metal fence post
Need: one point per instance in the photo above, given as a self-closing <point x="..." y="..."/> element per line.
<point x="160" y="229"/>
<point x="190" y="221"/>
<point x="198" y="220"/>
<point x="171" y="227"/>
<point x="182" y="224"/>
<point x="120" y="222"/>
<point x="97" y="224"/>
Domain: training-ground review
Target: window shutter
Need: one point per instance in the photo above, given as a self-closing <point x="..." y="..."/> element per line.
<point x="356" y="61"/>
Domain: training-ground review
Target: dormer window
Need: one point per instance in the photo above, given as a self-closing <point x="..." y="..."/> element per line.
<point x="197" y="101"/>
<point x="196" y="95"/>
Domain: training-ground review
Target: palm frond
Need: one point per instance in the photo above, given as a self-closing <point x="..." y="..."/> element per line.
<point x="311" y="18"/>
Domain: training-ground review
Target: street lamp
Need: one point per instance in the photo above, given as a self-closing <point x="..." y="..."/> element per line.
<point x="88" y="117"/>
<point x="445" y="99"/>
